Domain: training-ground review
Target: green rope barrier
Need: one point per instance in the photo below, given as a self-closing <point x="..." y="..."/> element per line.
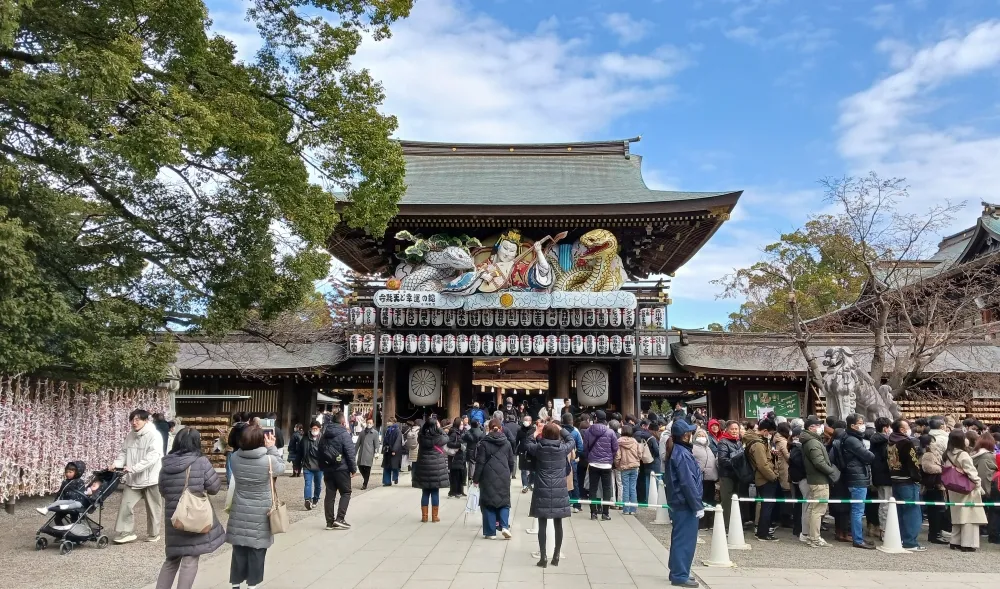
<point x="898" y="502"/>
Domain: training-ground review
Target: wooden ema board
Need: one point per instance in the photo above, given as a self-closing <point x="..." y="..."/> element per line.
<point x="209" y="428"/>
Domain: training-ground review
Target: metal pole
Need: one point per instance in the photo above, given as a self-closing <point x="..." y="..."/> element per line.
<point x="375" y="381"/>
<point x="638" y="368"/>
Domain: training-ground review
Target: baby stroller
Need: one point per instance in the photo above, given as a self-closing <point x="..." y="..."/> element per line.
<point x="72" y="528"/>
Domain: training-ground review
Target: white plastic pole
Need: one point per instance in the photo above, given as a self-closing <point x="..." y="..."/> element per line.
<point x="662" y="513"/>
<point x="892" y="543"/>
<point x="719" y="556"/>
<point x="532" y="527"/>
<point x="736" y="540"/>
<point x="653" y="496"/>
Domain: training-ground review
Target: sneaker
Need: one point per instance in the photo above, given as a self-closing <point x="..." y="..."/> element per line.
<point x="865" y="546"/>
<point x="821" y="543"/>
<point x="315" y="502"/>
<point x="689" y="583"/>
<point x="489" y="537"/>
<point x="309" y="505"/>
<point x="155" y="538"/>
<point x="767" y="538"/>
<point x="803" y="538"/>
<point x="606" y="518"/>
<point x="125" y="539"/>
<point x="42" y="510"/>
<point x="330" y="526"/>
<point x="946" y="534"/>
<point x="917" y="549"/>
<point x="506" y="533"/>
<point x="593" y="516"/>
<point x="341" y="525"/>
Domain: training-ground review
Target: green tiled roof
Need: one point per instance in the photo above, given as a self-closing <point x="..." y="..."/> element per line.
<point x="523" y="180"/>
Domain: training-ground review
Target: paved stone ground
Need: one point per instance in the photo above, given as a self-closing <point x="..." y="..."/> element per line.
<point x="857" y="578"/>
<point x="389" y="547"/>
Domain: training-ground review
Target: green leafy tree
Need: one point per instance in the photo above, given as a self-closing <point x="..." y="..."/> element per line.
<point x="149" y="179"/>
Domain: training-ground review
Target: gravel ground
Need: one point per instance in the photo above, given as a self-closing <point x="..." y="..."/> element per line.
<point x="789" y="553"/>
<point x="117" y="567"/>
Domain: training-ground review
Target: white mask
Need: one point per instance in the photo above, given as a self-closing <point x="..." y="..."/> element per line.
<point x="525" y="423"/>
<point x="701" y="441"/>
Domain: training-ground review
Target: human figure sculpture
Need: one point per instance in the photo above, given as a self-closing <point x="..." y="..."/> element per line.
<point x="849" y="389"/>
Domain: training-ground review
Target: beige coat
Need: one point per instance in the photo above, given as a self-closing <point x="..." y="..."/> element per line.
<point x="966" y="515"/>
<point x="781" y="460"/>
<point x="629" y="453"/>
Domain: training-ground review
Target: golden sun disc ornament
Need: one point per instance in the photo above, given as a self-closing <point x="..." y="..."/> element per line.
<point x="506" y="300"/>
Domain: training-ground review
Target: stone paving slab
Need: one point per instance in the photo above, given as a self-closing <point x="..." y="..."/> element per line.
<point x="750" y="578"/>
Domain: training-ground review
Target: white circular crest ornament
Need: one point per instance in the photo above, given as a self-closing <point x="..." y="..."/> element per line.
<point x="425" y="385"/>
<point x="592" y="385"/>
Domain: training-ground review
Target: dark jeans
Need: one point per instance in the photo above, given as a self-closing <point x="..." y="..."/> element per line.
<point x="247" y="565"/>
<point x="908" y="515"/>
<point x="542" y="525"/>
<point x="457" y="478"/>
<point x="366" y="472"/>
<point x="642" y="486"/>
<point x="766" y="491"/>
<point x="492" y="515"/>
<point x="337" y="481"/>
<point x="601" y="477"/>
<point x="581" y="475"/>
<point x="431" y="496"/>
<point x="575" y="493"/>
<point x="707" y="497"/>
<point x="935" y="513"/>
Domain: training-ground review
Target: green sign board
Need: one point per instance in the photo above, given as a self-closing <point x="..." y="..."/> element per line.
<point x="783" y="403"/>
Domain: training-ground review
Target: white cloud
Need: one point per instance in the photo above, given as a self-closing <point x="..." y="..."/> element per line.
<point x="744" y="34"/>
<point x="881" y="16"/>
<point x="454" y="75"/>
<point x="887" y="128"/>
<point x="628" y="29"/>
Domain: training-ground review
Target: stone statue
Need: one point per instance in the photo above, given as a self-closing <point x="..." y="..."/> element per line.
<point x="852" y="390"/>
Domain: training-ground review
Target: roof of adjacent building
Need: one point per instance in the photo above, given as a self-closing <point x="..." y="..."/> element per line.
<point x="246" y="356"/>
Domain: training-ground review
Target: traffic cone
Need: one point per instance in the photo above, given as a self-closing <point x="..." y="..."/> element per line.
<point x="662" y="513"/>
<point x="532" y="527"/>
<point x="719" y="556"/>
<point x="736" y="540"/>
<point x="892" y="543"/>
<point x="653" y="495"/>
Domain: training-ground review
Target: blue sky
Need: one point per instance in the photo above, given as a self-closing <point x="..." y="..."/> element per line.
<point x="766" y="96"/>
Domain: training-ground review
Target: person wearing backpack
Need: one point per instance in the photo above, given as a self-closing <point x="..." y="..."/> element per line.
<point x="836" y="431"/>
<point x="965" y="521"/>
<point x="756" y="447"/>
<point x="336" y="458"/>
<point x="820" y="473"/>
<point x="730" y="447"/>
<point x="881" y="479"/>
<point x="904" y="471"/>
<point x="798" y="484"/>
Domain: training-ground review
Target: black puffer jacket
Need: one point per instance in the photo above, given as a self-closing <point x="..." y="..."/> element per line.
<point x="550" y="497"/>
<point x="457" y="460"/>
<point x="202" y="480"/>
<point x="727" y="449"/>
<point x="430" y="471"/>
<point x="524" y="460"/>
<point x="856" y="460"/>
<point x="880" y="466"/>
<point x="494" y="465"/>
<point x="472" y="439"/>
<point x="336" y="440"/>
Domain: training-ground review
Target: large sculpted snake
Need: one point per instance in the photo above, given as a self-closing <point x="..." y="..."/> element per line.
<point x="597" y="268"/>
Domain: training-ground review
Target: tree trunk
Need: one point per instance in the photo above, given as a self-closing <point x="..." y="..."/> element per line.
<point x="881" y="343"/>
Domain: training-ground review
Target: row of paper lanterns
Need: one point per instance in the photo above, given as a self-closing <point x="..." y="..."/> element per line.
<point x="508" y="345"/>
<point x="508" y="317"/>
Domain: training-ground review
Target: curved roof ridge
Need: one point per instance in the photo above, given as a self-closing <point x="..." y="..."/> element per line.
<point x="438" y="148"/>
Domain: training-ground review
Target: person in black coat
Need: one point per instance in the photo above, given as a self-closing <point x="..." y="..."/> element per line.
<point x="337" y="459"/>
<point x="492" y="474"/>
<point x="524" y="460"/>
<point x="430" y="471"/>
<point x="881" y="480"/>
<point x="550" y="499"/>
<point x="456" y="460"/>
<point x="857" y="460"/>
<point x="472" y="437"/>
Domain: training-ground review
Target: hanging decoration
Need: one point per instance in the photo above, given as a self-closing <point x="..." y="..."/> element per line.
<point x="425" y="385"/>
<point x="592" y="384"/>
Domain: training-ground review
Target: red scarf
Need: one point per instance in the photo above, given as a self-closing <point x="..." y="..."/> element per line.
<point x="729" y="437"/>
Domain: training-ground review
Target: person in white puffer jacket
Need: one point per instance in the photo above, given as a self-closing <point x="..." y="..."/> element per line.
<point x="141" y="457"/>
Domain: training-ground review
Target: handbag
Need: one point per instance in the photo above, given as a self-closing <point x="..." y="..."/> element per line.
<point x="193" y="512"/>
<point x="955" y="480"/>
<point x="278" y="514"/>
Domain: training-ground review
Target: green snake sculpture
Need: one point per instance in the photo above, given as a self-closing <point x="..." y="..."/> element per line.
<point x="597" y="269"/>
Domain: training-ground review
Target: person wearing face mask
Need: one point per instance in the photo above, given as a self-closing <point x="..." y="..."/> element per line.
<point x="729" y="447"/>
<point x="684" y="490"/>
<point x="904" y="472"/>
<point x="312" y="473"/>
<point x="758" y="452"/>
<point x="392" y="453"/>
<point x="368" y="446"/>
<point x="820" y="473"/>
<point x="524" y="460"/>
<point x="708" y="463"/>
<point x="857" y="461"/>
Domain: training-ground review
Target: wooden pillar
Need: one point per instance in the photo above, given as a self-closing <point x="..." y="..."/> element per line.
<point x="286" y="407"/>
<point x="560" y="369"/>
<point x="389" y="387"/>
<point x="627" y="373"/>
<point x="453" y="389"/>
<point x="500" y="393"/>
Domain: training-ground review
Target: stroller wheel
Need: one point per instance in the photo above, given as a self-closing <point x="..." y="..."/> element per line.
<point x="41" y="543"/>
<point x="65" y="548"/>
<point x="102" y="542"/>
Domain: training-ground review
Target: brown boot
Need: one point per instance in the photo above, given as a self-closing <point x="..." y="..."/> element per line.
<point x="423" y="514"/>
<point x="434" y="514"/>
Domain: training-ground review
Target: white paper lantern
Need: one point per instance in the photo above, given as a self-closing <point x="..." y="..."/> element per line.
<point x="660" y="345"/>
<point x="576" y="317"/>
<point x="552" y="318"/>
<point x="462" y="343"/>
<point x="659" y="316"/>
<point x="411" y="344"/>
<point x="615" y="317"/>
<point x="487" y="317"/>
<point x="513" y="345"/>
<point x="449" y="343"/>
<point x="399" y="317"/>
<point x="369" y="315"/>
<point x="461" y="318"/>
<point x="355" y="342"/>
<point x="425" y="385"/>
<point x="593" y="383"/>
<point x="615" y="344"/>
<point x="384" y="343"/>
<point x="437" y="317"/>
<point x="628" y="345"/>
<point x="589" y="345"/>
<point x="425" y="317"/>
<point x="602" y="345"/>
<point x="513" y="318"/>
<point x="538" y="344"/>
<point x="551" y="345"/>
<point x="538" y="317"/>
<point x="368" y="347"/>
<point x="645" y="316"/>
<point x="602" y="317"/>
<point x="589" y="317"/>
<point x="564" y="317"/>
<point x="385" y="317"/>
<point x="475" y="318"/>
<point x="645" y="346"/>
<point x="437" y="343"/>
<point x="628" y="317"/>
<point x="564" y="345"/>
<point x="525" y="317"/>
<point x="357" y="315"/>
<point x="398" y="343"/>
<point x="526" y="344"/>
<point x="477" y="343"/>
<point x="424" y="343"/>
<point x="500" y="320"/>
<point x="449" y="317"/>
<point x="576" y="343"/>
<point x="411" y="317"/>
<point x="500" y="345"/>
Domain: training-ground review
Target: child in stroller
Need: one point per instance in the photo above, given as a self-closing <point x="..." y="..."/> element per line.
<point x="70" y="523"/>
